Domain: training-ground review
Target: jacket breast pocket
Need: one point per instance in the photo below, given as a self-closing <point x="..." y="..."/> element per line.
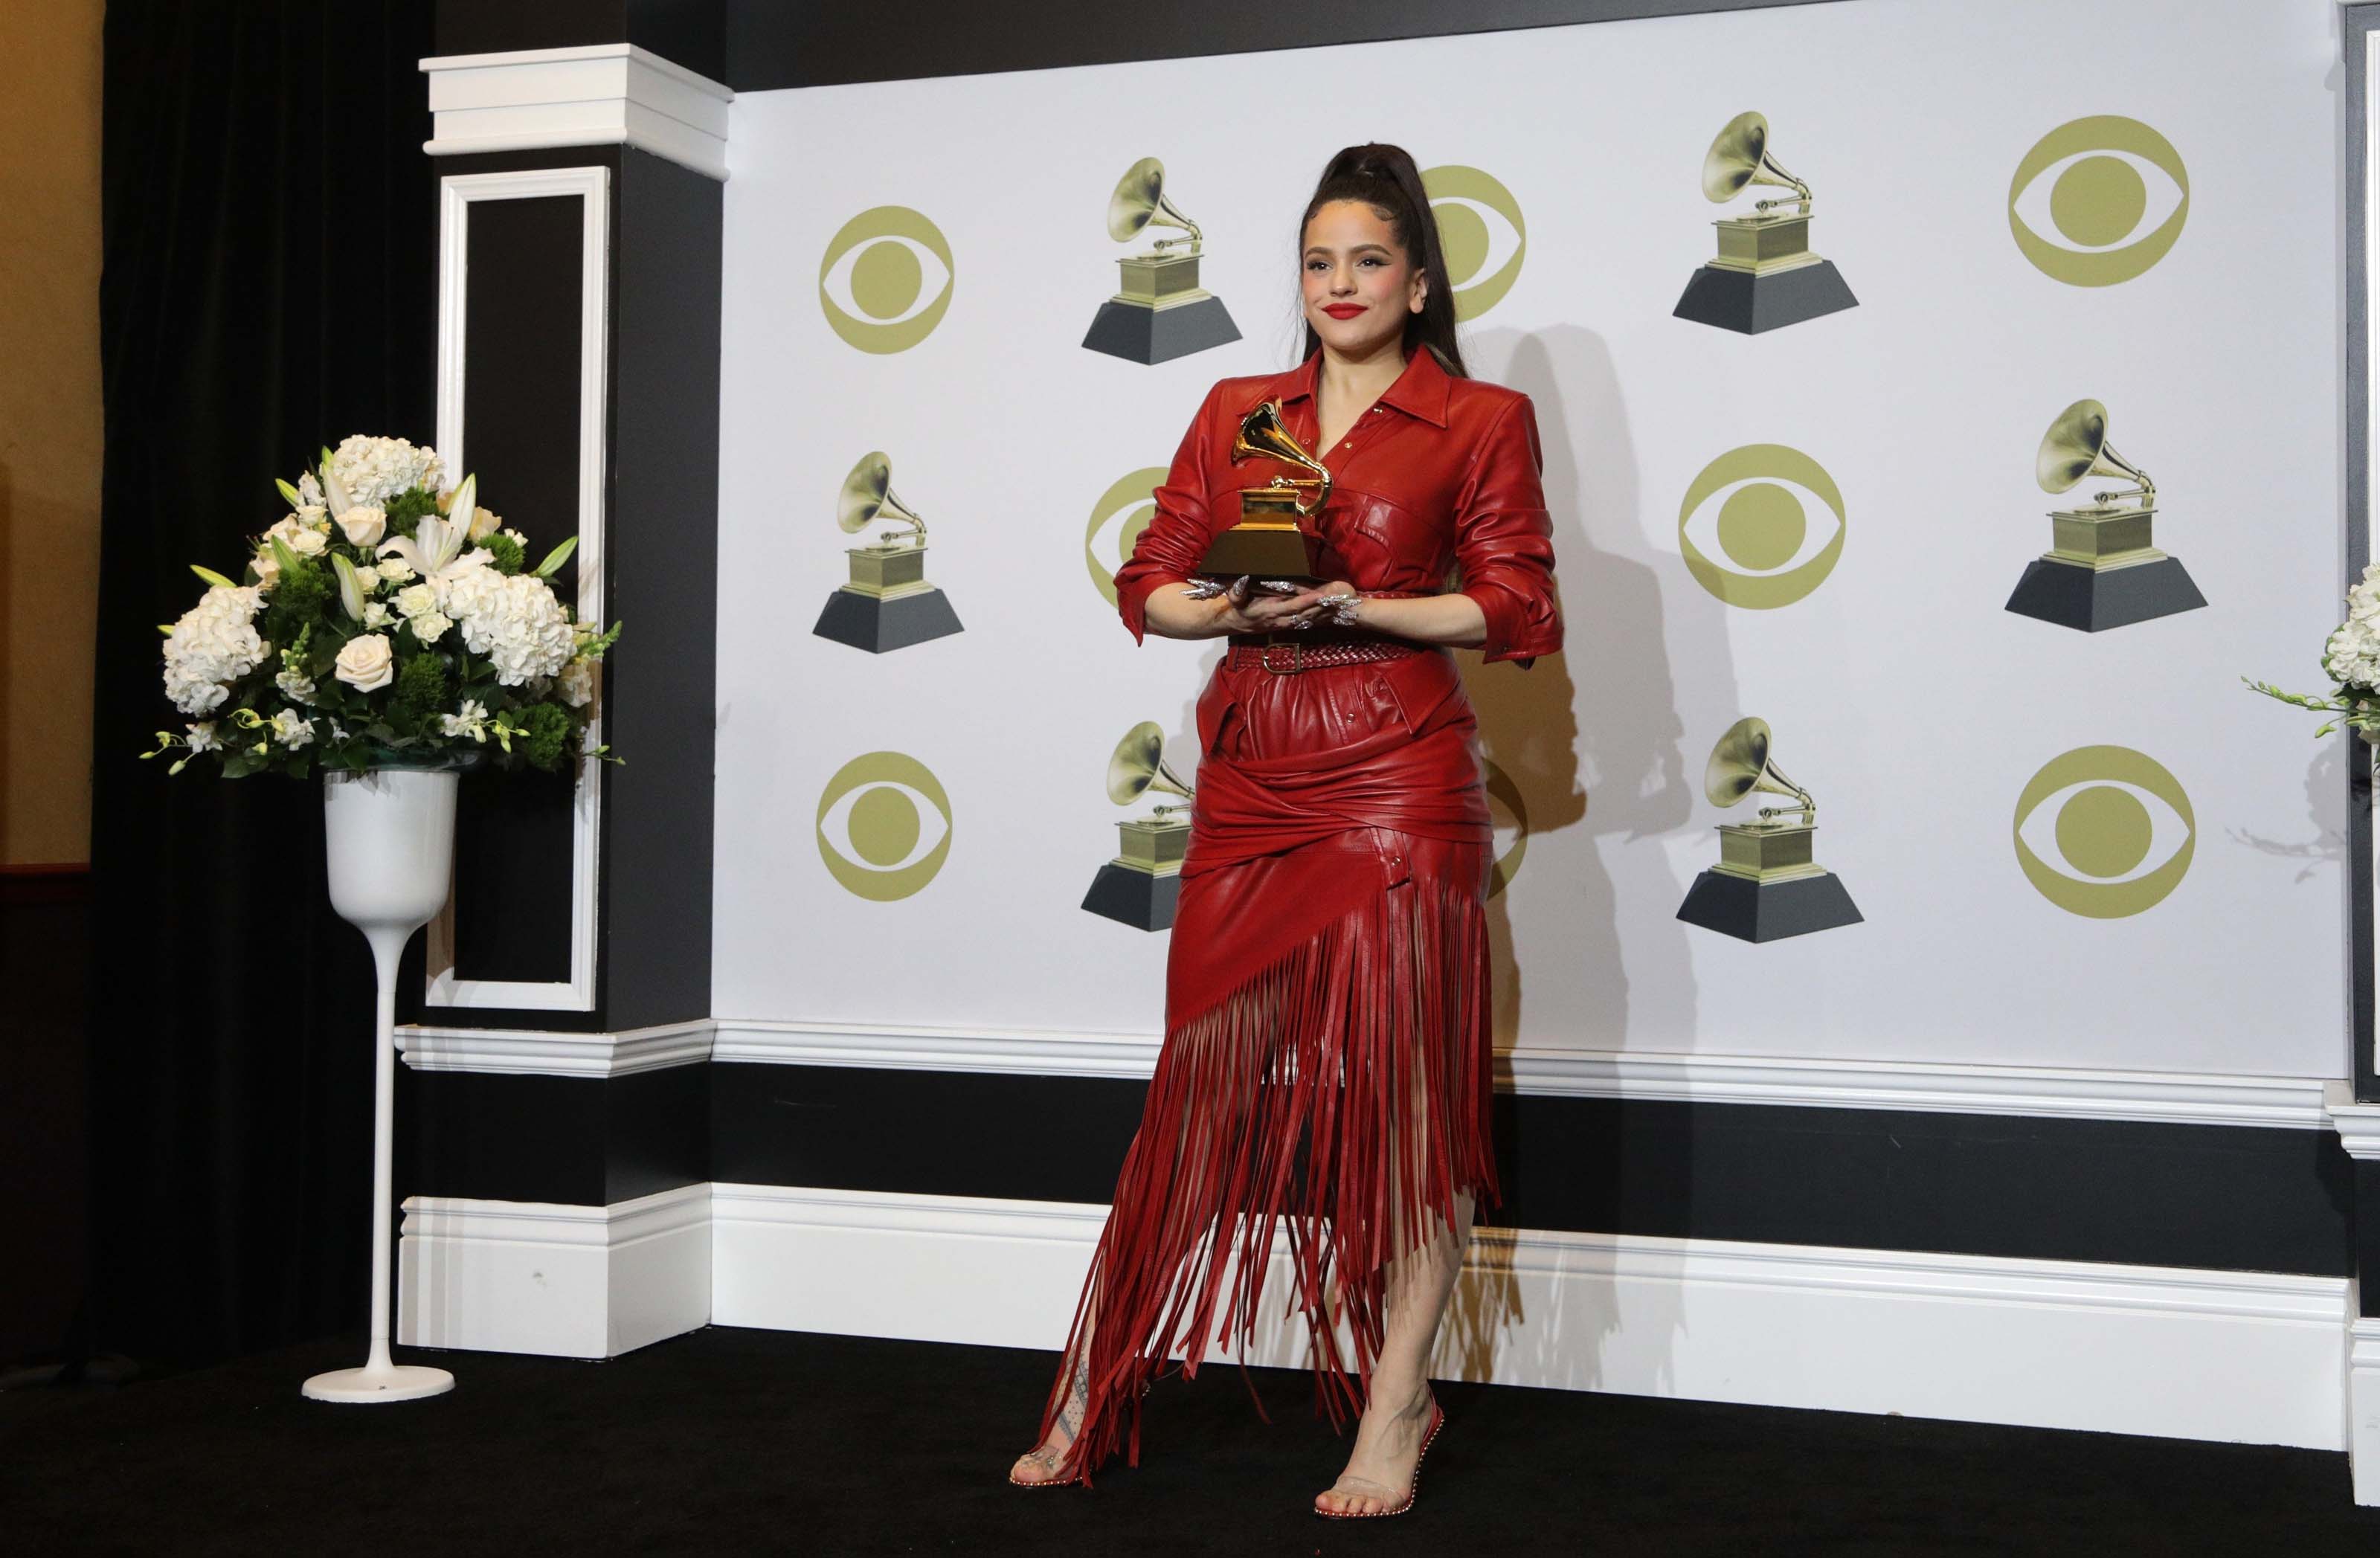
<point x="1396" y="539"/>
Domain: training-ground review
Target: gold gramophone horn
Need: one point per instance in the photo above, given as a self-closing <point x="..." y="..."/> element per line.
<point x="1740" y="764"/>
<point x="1138" y="766"/>
<point x="2076" y="447"/>
<point x="1740" y="156"/>
<point x="1262" y="434"/>
<point x="867" y="496"/>
<point x="1140" y="202"/>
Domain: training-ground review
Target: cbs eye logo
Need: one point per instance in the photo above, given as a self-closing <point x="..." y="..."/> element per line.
<point x="1481" y="232"/>
<point x="1762" y="526"/>
<point x="2098" y="201"/>
<point x="886" y="280"/>
<point x="1117" y="519"/>
<point x="1510" y="815"/>
<point x="883" y="826"/>
<point x="2104" y="831"/>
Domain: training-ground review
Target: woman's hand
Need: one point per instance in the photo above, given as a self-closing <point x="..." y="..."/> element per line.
<point x="1248" y="606"/>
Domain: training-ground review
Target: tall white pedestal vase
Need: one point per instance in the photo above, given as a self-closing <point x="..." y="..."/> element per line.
<point x="391" y="837"/>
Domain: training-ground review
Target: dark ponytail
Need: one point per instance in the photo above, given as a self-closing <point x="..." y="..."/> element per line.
<point x="1384" y="178"/>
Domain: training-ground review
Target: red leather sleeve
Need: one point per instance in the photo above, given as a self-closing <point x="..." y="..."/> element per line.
<point x="1503" y="541"/>
<point x="1174" y="543"/>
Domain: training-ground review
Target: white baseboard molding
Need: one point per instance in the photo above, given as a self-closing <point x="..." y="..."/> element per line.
<point x="520" y="1051"/>
<point x="2167" y="1097"/>
<point x="564" y="1281"/>
<point x="2241" y="1357"/>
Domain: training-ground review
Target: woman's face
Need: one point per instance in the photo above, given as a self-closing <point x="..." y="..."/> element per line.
<point x="1359" y="283"/>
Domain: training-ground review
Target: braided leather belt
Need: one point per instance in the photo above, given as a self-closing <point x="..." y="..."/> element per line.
<point x="1286" y="654"/>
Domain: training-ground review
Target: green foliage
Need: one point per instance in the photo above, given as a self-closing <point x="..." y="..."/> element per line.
<point x="503" y="552"/>
<point x="422" y="692"/>
<point x="406" y="509"/>
<point x="295" y="601"/>
<point x="546" y="729"/>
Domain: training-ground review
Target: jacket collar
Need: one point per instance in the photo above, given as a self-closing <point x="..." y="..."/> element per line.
<point x="1420" y="391"/>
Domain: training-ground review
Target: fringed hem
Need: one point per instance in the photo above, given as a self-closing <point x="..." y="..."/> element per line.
<point x="1343" y="1092"/>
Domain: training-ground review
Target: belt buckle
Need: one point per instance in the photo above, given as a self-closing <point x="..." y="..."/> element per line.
<point x="1297" y="656"/>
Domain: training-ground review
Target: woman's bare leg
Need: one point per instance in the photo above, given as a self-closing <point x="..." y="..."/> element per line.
<point x="1388" y="1442"/>
<point x="1040" y="1464"/>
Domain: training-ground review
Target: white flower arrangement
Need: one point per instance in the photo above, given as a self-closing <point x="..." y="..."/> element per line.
<point x="386" y="619"/>
<point x="2351" y="657"/>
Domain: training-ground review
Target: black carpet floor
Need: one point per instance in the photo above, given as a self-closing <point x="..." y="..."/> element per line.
<point x="741" y="1441"/>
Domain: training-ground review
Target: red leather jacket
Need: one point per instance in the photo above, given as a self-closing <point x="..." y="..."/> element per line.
<point x="1441" y="472"/>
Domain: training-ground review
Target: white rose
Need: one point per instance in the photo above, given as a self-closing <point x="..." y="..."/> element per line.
<point x="314" y="515"/>
<point x="363" y="525"/>
<point x="431" y="625"/>
<point x="416" y="599"/>
<point x="307" y="543"/>
<point x="395" y="570"/>
<point x="367" y="663"/>
<point x="577" y="683"/>
<point x="376" y="616"/>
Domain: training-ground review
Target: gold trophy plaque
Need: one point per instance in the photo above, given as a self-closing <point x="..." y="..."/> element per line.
<point x="2101" y="570"/>
<point x="886" y="603"/>
<point x="1140" y="885"/>
<point x="1766" y="886"/>
<point x="1160" y="311"/>
<point x="1764" y="276"/>
<point x="1269" y="542"/>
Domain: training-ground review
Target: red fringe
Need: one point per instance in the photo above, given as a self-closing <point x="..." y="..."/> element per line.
<point x="1368" y="1047"/>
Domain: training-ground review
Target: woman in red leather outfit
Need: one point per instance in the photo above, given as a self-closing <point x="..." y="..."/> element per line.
<point x="1325" y="1069"/>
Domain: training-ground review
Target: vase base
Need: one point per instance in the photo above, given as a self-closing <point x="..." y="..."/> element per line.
<point x="395" y="1382"/>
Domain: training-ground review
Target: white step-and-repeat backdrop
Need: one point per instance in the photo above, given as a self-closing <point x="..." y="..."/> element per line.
<point x="2071" y="848"/>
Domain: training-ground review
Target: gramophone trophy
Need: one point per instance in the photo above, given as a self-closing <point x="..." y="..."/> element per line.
<point x="886" y="604"/>
<point x="1161" y="312"/>
<point x="1267" y="543"/>
<point x="1764" y="276"/>
<point x="1766" y="886"/>
<point x="2100" y="570"/>
<point x="1139" y="886"/>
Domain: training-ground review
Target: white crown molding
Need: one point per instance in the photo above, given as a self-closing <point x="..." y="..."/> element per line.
<point x="2249" y="1357"/>
<point x="2178" y="1098"/>
<point x="599" y="95"/>
<point x="2358" y="1123"/>
<point x="541" y="1052"/>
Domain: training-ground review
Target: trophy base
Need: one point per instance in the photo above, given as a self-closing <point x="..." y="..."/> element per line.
<point x="1138" y="333"/>
<point x="1768" y="911"/>
<point x="1142" y="899"/>
<point x="2093" y="599"/>
<point x="879" y="623"/>
<point x="1749" y="303"/>
<point x="1261" y="552"/>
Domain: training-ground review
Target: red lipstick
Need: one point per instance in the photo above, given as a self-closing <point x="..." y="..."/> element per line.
<point x="1344" y="311"/>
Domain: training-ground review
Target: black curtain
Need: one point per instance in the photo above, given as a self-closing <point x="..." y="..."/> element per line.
<point x="269" y="228"/>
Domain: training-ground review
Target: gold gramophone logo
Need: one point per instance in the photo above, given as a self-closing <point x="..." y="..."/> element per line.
<point x="2104" y="832"/>
<point x="887" y="603"/>
<point x="883" y="826"/>
<point x="1762" y="526"/>
<point x="1160" y="311"/>
<point x="1117" y="519"/>
<point x="2101" y="570"/>
<point x="1274" y="537"/>
<point x="1509" y="814"/>
<point x="1766" y="886"/>
<point x="1140" y="885"/>
<point x="1764" y="276"/>
<point x="886" y="280"/>
<point x="2098" y="201"/>
<point x="1481" y="232"/>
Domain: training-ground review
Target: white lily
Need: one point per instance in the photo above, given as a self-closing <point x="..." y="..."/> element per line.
<point x="435" y="550"/>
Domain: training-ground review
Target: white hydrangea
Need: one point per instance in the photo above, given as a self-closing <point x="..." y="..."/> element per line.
<point x="514" y="620"/>
<point x="213" y="645"/>
<point x="374" y="471"/>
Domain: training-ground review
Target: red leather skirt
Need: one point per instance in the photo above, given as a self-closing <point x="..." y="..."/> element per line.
<point x="1325" y="1073"/>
